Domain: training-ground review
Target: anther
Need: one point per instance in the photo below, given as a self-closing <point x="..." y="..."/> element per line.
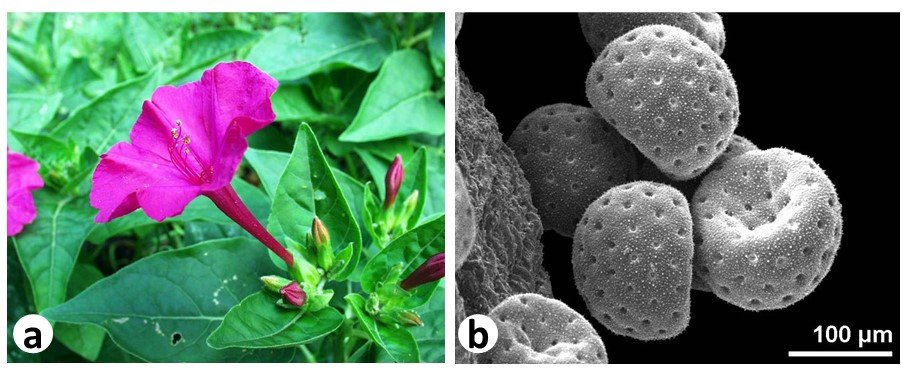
<point x="186" y="140"/>
<point x="173" y="132"/>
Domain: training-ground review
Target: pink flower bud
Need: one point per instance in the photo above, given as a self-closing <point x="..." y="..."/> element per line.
<point x="431" y="270"/>
<point x="392" y="181"/>
<point x="293" y="294"/>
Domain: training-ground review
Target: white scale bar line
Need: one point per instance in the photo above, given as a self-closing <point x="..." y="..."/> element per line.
<point x="860" y="353"/>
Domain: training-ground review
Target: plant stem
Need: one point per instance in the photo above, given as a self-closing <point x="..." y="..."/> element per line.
<point x="309" y="357"/>
<point x="410" y="42"/>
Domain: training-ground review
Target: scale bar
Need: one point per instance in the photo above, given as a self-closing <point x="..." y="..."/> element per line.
<point x="859" y="353"/>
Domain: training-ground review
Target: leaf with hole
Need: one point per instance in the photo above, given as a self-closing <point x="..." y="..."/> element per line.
<point x="84" y="339"/>
<point x="162" y="308"/>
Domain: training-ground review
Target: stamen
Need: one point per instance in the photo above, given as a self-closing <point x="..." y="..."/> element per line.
<point x="183" y="157"/>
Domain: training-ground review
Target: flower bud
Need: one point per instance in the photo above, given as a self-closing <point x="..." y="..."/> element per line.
<point x="409" y="318"/>
<point x="399" y="316"/>
<point x="409" y="206"/>
<point x="322" y="241"/>
<point x="320" y="233"/>
<point x="431" y="270"/>
<point x="293" y="294"/>
<point x="392" y="181"/>
<point x="274" y="283"/>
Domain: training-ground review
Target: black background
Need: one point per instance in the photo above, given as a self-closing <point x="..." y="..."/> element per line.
<point x="825" y="85"/>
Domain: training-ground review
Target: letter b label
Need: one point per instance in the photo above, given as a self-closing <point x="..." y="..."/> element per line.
<point x="477" y="333"/>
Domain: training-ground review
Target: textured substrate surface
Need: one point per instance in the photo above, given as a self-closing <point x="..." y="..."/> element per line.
<point x="506" y="256"/>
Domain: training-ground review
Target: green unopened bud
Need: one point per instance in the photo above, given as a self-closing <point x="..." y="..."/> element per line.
<point x="274" y="283"/>
<point x="409" y="206"/>
<point x="322" y="241"/>
<point x="320" y="233"/>
<point x="399" y="316"/>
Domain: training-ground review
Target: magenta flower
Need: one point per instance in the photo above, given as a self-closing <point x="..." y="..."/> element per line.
<point x="392" y="181"/>
<point x="293" y="294"/>
<point x="431" y="270"/>
<point x="21" y="179"/>
<point x="189" y="141"/>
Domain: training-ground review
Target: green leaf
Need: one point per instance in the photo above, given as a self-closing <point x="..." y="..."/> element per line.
<point x="205" y="49"/>
<point x="73" y="80"/>
<point x="328" y="40"/>
<point x="398" y="342"/>
<point x="17" y="306"/>
<point x="22" y="52"/>
<point x="163" y="307"/>
<point x="416" y="178"/>
<point x="399" y="102"/>
<point x="107" y="119"/>
<point x="430" y="336"/>
<point x="307" y="188"/>
<point x="410" y="249"/>
<point x="339" y="92"/>
<point x="436" y="45"/>
<point x="376" y="168"/>
<point x="85" y="339"/>
<point x="269" y="165"/>
<point x="200" y="209"/>
<point x="293" y="103"/>
<point x="434" y="204"/>
<point x="48" y="248"/>
<point x="353" y="191"/>
<point x="51" y="154"/>
<point x="145" y="40"/>
<point x="29" y="112"/>
<point x="257" y="322"/>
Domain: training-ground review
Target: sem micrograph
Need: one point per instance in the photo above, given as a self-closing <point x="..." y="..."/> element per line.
<point x="602" y="28"/>
<point x="465" y="222"/>
<point x="768" y="227"/>
<point x="632" y="260"/>
<point x="570" y="156"/>
<point x="506" y="256"/>
<point x="669" y="94"/>
<point x="536" y="329"/>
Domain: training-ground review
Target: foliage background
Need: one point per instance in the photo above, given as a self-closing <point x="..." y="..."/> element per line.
<point x="370" y="86"/>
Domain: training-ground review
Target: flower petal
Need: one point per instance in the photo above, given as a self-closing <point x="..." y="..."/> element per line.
<point x="231" y="95"/>
<point x="129" y="177"/>
<point x="21" y="179"/>
<point x="242" y="93"/>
